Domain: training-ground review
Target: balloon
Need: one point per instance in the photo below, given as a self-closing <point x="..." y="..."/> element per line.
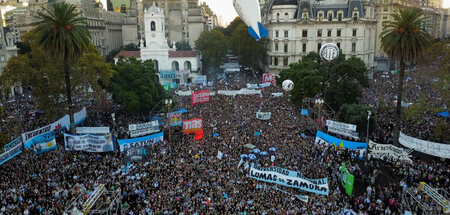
<point x="287" y="85"/>
<point x="249" y="11"/>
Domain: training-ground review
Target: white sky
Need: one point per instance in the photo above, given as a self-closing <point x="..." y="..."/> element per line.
<point x="225" y="9"/>
<point x="446" y="4"/>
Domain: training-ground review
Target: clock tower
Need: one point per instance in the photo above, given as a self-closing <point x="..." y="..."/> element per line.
<point x="155" y="32"/>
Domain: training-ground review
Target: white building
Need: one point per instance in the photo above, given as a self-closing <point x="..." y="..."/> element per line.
<point x="173" y="66"/>
<point x="299" y="27"/>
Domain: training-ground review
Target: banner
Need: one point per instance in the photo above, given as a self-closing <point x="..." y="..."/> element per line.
<point x="193" y="125"/>
<point x="46" y="146"/>
<point x="198" y="135"/>
<point x="389" y="152"/>
<point x="36" y="135"/>
<point x="93" y="130"/>
<point x="304" y="112"/>
<point x="88" y="143"/>
<point x="322" y="138"/>
<point x="167" y="75"/>
<point x="264" y="85"/>
<point x="143" y="132"/>
<point x="199" y="97"/>
<point x="170" y="85"/>
<point x="200" y="79"/>
<point x="176" y="118"/>
<point x="136" y="154"/>
<point x="427" y="147"/>
<point x="281" y="177"/>
<point x="344" y="132"/>
<point x="252" y="86"/>
<point x="347" y="180"/>
<point x="14" y="148"/>
<point x="276" y="95"/>
<point x="268" y="78"/>
<point x="141" y="126"/>
<point x="341" y="125"/>
<point x="126" y="144"/>
<point x="263" y="115"/>
<point x="12" y="144"/>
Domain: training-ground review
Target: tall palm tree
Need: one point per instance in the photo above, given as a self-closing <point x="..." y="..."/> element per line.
<point x="404" y="39"/>
<point x="62" y="33"/>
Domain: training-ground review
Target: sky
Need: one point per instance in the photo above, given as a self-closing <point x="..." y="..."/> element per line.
<point x="446" y="4"/>
<point x="225" y="9"/>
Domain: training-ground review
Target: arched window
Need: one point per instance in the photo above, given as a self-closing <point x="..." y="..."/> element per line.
<point x="187" y="65"/>
<point x="152" y="26"/>
<point x="175" y="66"/>
<point x="278" y="17"/>
<point x="156" y="65"/>
<point x="286" y="16"/>
<point x="355" y="16"/>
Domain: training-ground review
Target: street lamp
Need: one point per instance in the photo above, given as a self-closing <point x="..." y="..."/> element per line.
<point x="368" y="119"/>
<point x="168" y="103"/>
<point x="319" y="104"/>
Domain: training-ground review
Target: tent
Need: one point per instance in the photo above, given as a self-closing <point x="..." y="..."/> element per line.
<point x="182" y="110"/>
<point x="443" y="114"/>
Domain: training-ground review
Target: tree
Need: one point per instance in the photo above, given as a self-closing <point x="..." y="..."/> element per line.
<point x="250" y="52"/>
<point x="207" y="9"/>
<point x="357" y="114"/>
<point x="228" y="31"/>
<point x="135" y="85"/>
<point x="62" y="33"/>
<point x="404" y="40"/>
<point x="128" y="47"/>
<point x="213" y="46"/>
<point x="183" y="46"/>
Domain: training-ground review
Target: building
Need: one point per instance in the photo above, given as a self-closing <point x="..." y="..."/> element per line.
<point x="130" y="26"/>
<point x="8" y="50"/>
<point x="172" y="66"/>
<point x="445" y="23"/>
<point x="299" y="27"/>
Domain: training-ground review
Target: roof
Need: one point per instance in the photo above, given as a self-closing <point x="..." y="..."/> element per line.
<point x="174" y="54"/>
<point x="285" y="2"/>
<point x="128" y="54"/>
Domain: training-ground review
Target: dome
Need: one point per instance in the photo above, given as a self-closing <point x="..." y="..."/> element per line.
<point x="154" y="9"/>
<point x="285" y="2"/>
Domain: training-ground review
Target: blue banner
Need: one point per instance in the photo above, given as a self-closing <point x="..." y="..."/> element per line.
<point x="46" y="145"/>
<point x="15" y="148"/>
<point x="322" y="138"/>
<point x="167" y="75"/>
<point x="140" y="141"/>
<point x="13" y="143"/>
<point x="304" y="112"/>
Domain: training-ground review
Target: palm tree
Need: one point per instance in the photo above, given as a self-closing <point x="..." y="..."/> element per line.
<point x="404" y="39"/>
<point x="62" y="33"/>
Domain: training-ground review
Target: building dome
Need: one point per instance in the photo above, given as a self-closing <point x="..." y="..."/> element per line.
<point x="154" y="9"/>
<point x="285" y="2"/>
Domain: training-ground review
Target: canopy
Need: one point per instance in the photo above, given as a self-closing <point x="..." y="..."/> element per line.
<point x="182" y="110"/>
<point x="443" y="114"/>
<point x="252" y="156"/>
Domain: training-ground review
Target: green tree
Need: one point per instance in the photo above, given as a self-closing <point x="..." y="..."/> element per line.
<point x="135" y="85"/>
<point x="404" y="40"/>
<point x="128" y="47"/>
<point x="228" y="31"/>
<point x="183" y="46"/>
<point x="357" y="114"/>
<point x="213" y="46"/>
<point x="62" y="33"/>
<point x="4" y="139"/>
<point x="250" y="52"/>
<point x="207" y="9"/>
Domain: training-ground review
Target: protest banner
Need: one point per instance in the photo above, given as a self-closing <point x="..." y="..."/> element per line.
<point x="200" y="79"/>
<point x="145" y="125"/>
<point x="176" y="118"/>
<point x="263" y="115"/>
<point x="389" y="152"/>
<point x="14" y="148"/>
<point x="126" y="144"/>
<point x="432" y="148"/>
<point x="347" y="180"/>
<point x="93" y="130"/>
<point x="269" y="78"/>
<point x="341" y="125"/>
<point x="322" y="138"/>
<point x="199" y="97"/>
<point x="88" y="143"/>
<point x="192" y="126"/>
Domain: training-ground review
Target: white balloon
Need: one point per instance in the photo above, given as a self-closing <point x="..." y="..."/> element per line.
<point x="287" y="85"/>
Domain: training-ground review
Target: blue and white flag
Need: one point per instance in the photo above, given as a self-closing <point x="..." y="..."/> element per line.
<point x="304" y="112"/>
<point x="140" y="141"/>
<point x="46" y="145"/>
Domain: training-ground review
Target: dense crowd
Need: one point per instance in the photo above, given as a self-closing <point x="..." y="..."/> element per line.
<point x="185" y="176"/>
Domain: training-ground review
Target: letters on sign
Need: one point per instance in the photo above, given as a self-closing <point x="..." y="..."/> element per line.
<point x="193" y="125"/>
<point x="269" y="78"/>
<point x="199" y="97"/>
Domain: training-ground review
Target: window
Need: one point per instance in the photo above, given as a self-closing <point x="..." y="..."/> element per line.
<point x="353" y="47"/>
<point x="339" y="17"/>
<point x="329" y="33"/>
<point x="285" y="61"/>
<point x="286" y="33"/>
<point x="319" y="33"/>
<point x="319" y="45"/>
<point x="285" y="47"/>
<point x="338" y="33"/>
<point x="354" y="32"/>
<point x="305" y="33"/>
<point x="304" y="15"/>
<point x="385" y="9"/>
<point x="276" y="46"/>
<point x="320" y="16"/>
<point x="276" y="61"/>
<point x="355" y="17"/>
<point x="330" y="17"/>
<point x="286" y="16"/>
<point x="304" y="47"/>
<point x="175" y="66"/>
<point x="152" y="26"/>
<point x="2" y="59"/>
<point x="338" y="45"/>
<point x="278" y="17"/>
<point x="276" y="34"/>
<point x="384" y="17"/>
<point x="270" y="61"/>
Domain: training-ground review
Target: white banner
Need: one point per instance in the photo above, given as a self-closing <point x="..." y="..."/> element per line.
<point x="141" y="126"/>
<point x="344" y="132"/>
<point x="275" y="95"/>
<point x="142" y="132"/>
<point x="263" y="115"/>
<point x="389" y="152"/>
<point x="88" y="143"/>
<point x="427" y="147"/>
<point x="93" y="130"/>
<point x="341" y="125"/>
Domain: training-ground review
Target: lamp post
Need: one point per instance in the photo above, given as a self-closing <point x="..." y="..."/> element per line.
<point x="168" y="103"/>
<point x="368" y="119"/>
<point x="319" y="104"/>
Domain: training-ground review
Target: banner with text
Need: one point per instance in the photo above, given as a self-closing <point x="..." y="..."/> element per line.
<point x="199" y="97"/>
<point x="140" y="126"/>
<point x="389" y="152"/>
<point x="93" y="130"/>
<point x="88" y="143"/>
<point x="263" y="115"/>
<point x="269" y="78"/>
<point x="176" y="118"/>
<point x="201" y="79"/>
<point x="427" y="147"/>
<point x="283" y="178"/>
<point x="344" y="132"/>
<point x="192" y="126"/>
<point x="322" y="138"/>
<point x="127" y="144"/>
<point x="14" y="148"/>
<point x="341" y="125"/>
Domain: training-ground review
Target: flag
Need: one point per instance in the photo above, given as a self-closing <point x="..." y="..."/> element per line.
<point x="219" y="155"/>
<point x="347" y="180"/>
<point x="198" y="135"/>
<point x="302" y="198"/>
<point x="304" y="112"/>
<point x="240" y="162"/>
<point x="230" y="100"/>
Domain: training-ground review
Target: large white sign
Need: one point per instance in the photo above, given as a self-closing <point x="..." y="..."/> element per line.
<point x="142" y="132"/>
<point x="427" y="147"/>
<point x="141" y="126"/>
<point x="389" y="152"/>
<point x="93" y="130"/>
<point x="88" y="143"/>
<point x="263" y="115"/>
<point x="344" y="132"/>
<point x="341" y="125"/>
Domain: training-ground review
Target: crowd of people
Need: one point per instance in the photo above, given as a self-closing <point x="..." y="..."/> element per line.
<point x="184" y="176"/>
